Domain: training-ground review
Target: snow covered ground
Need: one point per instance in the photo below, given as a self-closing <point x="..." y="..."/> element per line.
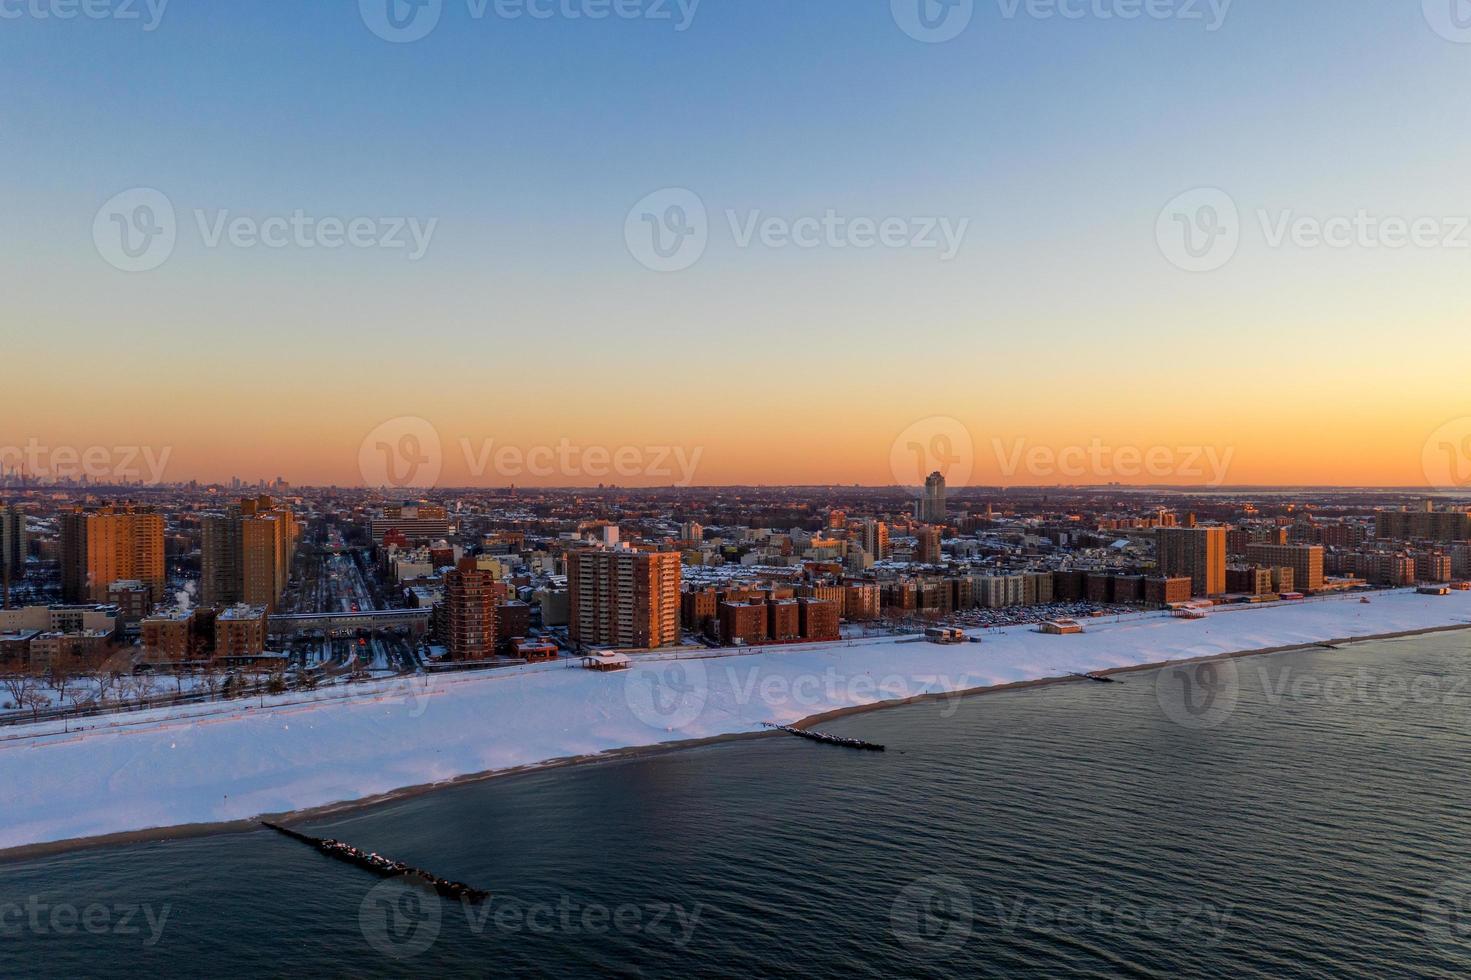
<point x="227" y="761"/>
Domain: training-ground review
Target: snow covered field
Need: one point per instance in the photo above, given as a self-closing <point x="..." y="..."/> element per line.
<point x="218" y="762"/>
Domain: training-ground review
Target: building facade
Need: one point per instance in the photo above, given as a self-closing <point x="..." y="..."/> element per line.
<point x="1198" y="553"/>
<point x="107" y="544"/>
<point x="624" y="598"/>
<point x="471" y="598"/>
<point x="1305" y="560"/>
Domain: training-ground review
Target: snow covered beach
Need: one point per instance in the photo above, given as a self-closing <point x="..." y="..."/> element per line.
<point x="224" y="762"/>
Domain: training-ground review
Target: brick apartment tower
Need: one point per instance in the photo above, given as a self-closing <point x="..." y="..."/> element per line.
<point x="624" y="598"/>
<point x="246" y="554"/>
<point x="107" y="545"/>
<point x="1198" y="553"/>
<point x="470" y="599"/>
<point x="1305" y="560"/>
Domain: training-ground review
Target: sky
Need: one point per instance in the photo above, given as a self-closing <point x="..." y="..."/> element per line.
<point x="875" y="230"/>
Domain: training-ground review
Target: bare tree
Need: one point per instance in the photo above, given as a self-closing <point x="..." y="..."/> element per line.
<point x="20" y="687"/>
<point x="35" y="700"/>
<point x="60" y="680"/>
<point x="106" y="680"/>
<point x="140" y="687"/>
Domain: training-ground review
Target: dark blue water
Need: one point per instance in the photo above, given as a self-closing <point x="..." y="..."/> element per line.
<point x="1303" y="815"/>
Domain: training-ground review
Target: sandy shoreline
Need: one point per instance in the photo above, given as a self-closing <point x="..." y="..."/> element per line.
<point x="195" y="830"/>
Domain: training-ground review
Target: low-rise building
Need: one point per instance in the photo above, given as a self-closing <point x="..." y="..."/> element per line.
<point x="240" y="631"/>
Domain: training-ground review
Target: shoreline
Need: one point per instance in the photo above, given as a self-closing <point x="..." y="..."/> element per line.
<point x="296" y="817"/>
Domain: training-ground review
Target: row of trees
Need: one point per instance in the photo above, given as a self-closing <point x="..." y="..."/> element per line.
<point x="36" y="691"/>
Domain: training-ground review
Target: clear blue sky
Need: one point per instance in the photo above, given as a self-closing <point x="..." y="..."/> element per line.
<point x="529" y="140"/>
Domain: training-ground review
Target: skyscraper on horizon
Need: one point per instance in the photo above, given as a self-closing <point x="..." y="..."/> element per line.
<point x="932" y="508"/>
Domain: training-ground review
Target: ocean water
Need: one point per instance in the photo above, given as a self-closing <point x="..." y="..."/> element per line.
<point x="1298" y="815"/>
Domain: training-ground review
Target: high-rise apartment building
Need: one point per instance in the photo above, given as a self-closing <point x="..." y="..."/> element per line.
<point x="13" y="541"/>
<point x="246" y="553"/>
<point x="624" y="598"/>
<point x="1198" y="553"/>
<point x="1305" y="560"/>
<point x="928" y="551"/>
<point x="104" y="545"/>
<point x="1422" y="525"/>
<point x="219" y="556"/>
<point x="471" y="595"/>
<point x="876" y="539"/>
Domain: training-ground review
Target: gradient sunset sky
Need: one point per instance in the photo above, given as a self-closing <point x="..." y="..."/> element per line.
<point x="1060" y="322"/>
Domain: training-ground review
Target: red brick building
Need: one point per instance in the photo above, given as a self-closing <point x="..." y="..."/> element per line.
<point x="818" y="619"/>
<point x="471" y="597"/>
